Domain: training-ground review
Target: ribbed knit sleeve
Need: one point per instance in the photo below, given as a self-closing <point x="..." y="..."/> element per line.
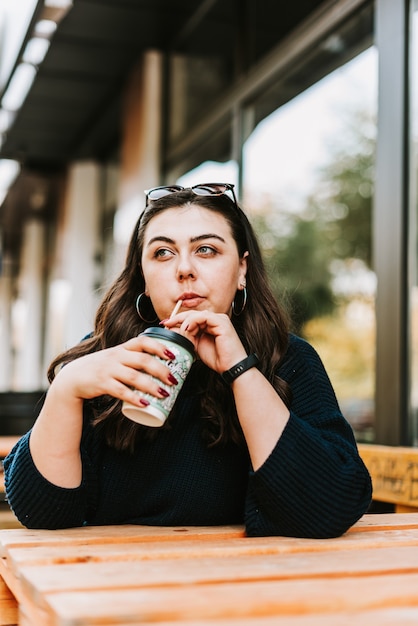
<point x="35" y="501"/>
<point x="314" y="483"/>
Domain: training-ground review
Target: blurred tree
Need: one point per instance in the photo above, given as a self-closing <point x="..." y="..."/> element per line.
<point x="298" y="266"/>
<point x="347" y="191"/>
<point x="335" y="224"/>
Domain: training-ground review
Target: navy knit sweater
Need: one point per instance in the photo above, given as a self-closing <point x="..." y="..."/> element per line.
<point x="313" y="484"/>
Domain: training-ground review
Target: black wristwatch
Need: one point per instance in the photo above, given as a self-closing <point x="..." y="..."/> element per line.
<point x="230" y="375"/>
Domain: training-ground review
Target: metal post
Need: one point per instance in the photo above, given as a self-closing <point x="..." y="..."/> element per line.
<point x="391" y="224"/>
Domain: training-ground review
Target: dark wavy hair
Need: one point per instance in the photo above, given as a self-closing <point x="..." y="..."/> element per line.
<point x="262" y="327"/>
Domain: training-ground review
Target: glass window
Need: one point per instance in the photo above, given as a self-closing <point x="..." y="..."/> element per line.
<point x="219" y="44"/>
<point x="308" y="182"/>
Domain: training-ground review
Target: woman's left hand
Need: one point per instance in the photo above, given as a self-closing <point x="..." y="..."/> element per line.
<point x="213" y="335"/>
<point x="218" y="345"/>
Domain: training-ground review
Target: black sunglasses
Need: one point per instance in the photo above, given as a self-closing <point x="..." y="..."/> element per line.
<point x="205" y="189"/>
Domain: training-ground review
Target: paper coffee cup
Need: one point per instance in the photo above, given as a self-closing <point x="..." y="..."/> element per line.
<point x="158" y="409"/>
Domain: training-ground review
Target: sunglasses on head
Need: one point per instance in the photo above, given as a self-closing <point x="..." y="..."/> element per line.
<point x="204" y="189"/>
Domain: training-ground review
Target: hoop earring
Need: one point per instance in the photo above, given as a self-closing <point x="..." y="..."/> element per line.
<point x="244" y="302"/>
<point x="138" y="309"/>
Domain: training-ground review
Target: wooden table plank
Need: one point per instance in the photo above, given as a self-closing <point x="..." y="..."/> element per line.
<point x="389" y="617"/>
<point x="91" y="544"/>
<point x="90" y="535"/>
<point x="66" y="554"/>
<point x="8" y="606"/>
<point x="32" y="615"/>
<point x="386" y="521"/>
<point x="40" y="581"/>
<point x="233" y="600"/>
<point x="12" y="581"/>
<point x="130" y="533"/>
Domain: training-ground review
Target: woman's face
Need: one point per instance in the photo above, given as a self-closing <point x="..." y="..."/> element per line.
<point x="189" y="253"/>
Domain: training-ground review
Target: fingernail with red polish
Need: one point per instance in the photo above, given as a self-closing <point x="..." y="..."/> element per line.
<point x="163" y="392"/>
<point x="172" y="379"/>
<point x="162" y="323"/>
<point x="169" y="354"/>
<point x="144" y="401"/>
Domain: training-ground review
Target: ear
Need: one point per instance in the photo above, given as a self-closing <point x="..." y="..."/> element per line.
<point x="242" y="271"/>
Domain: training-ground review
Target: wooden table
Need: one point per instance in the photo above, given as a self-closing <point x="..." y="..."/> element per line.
<point x="211" y="576"/>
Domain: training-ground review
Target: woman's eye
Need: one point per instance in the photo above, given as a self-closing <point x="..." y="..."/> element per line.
<point x="162" y="252"/>
<point x="207" y="250"/>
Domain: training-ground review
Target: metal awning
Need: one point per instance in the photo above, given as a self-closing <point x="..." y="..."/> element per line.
<point x="72" y="110"/>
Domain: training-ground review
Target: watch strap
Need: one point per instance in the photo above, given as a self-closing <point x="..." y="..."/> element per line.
<point x="230" y="375"/>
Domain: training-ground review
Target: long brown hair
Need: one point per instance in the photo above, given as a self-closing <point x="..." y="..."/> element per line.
<point x="262" y="327"/>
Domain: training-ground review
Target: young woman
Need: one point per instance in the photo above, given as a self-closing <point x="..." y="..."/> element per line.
<point x="263" y="444"/>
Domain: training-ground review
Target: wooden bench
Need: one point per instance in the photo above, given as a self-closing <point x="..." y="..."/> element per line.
<point x="6" y="444"/>
<point x="18" y="412"/>
<point x="394" y="472"/>
<point x="7" y="518"/>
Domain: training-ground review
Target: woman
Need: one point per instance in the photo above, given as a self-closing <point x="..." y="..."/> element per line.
<point x="263" y="444"/>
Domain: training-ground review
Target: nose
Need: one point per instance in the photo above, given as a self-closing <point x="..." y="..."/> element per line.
<point x="185" y="268"/>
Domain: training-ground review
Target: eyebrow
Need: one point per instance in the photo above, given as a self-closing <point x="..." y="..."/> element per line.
<point x="192" y="239"/>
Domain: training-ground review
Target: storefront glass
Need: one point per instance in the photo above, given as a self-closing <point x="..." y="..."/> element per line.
<point x="308" y="183"/>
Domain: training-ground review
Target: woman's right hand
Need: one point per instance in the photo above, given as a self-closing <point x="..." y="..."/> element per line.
<point x="56" y="435"/>
<point x="118" y="371"/>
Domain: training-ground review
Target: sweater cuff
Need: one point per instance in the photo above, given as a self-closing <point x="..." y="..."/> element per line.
<point x="310" y="485"/>
<point x="36" y="502"/>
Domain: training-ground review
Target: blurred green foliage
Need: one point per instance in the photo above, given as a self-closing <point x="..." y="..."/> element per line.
<point x="299" y="248"/>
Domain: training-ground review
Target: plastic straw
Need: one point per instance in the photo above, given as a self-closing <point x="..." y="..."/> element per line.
<point x="176" y="308"/>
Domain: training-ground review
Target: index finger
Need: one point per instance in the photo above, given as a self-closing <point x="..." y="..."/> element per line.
<point x="150" y="345"/>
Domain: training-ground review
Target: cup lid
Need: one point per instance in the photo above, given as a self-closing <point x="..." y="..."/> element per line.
<point x="170" y="335"/>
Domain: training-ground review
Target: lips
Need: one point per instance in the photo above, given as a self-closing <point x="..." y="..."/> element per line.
<point x="192" y="303"/>
<point x="191" y="300"/>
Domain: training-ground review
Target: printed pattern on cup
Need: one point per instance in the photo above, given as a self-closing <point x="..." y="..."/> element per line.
<point x="179" y="367"/>
<point x="158" y="409"/>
